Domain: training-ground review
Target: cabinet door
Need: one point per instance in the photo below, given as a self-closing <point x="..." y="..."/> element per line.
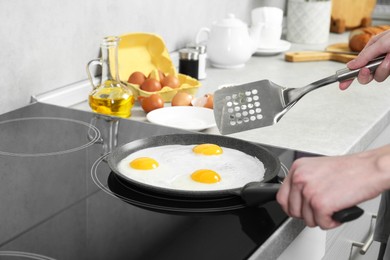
<point x="339" y="242"/>
<point x="308" y="245"/>
<point x="371" y="254"/>
<point x="345" y="242"/>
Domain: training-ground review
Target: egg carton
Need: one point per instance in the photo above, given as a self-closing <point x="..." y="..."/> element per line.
<point x="146" y="52"/>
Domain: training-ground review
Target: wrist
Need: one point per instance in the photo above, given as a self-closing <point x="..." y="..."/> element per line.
<point x="382" y="164"/>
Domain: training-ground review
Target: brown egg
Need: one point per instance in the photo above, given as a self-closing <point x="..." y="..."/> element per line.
<point x="136" y="77"/>
<point x="210" y="101"/>
<point x="156" y="74"/>
<point x="151" y="85"/>
<point x="170" y="81"/>
<point x="152" y="102"/>
<point x="181" y="99"/>
<point x="206" y="101"/>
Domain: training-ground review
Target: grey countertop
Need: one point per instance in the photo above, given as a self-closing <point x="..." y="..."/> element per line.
<point x="327" y="121"/>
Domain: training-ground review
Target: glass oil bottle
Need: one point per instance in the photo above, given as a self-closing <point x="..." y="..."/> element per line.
<point x="110" y="97"/>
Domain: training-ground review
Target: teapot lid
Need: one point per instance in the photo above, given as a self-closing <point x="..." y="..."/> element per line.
<point x="230" y="21"/>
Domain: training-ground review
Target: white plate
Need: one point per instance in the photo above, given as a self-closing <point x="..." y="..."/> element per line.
<point x="278" y="48"/>
<point x="183" y="117"/>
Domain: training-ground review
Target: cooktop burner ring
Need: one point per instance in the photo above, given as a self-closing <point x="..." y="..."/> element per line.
<point x="161" y="202"/>
<point x="148" y="201"/>
<point x="93" y="135"/>
<point x="25" y="255"/>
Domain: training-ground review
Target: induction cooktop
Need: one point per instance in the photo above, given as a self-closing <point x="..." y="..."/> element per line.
<point x="60" y="200"/>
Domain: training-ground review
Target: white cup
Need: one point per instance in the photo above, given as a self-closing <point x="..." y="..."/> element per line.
<point x="267" y="23"/>
<point x="268" y="34"/>
<point x="267" y="15"/>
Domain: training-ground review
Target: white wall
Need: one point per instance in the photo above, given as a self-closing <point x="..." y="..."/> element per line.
<point x="46" y="44"/>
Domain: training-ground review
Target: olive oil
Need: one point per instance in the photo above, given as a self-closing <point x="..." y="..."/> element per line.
<point x="110" y="97"/>
<point x="114" y="101"/>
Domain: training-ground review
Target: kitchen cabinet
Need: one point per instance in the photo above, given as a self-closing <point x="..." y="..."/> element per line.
<point x="341" y="242"/>
<point x="316" y="244"/>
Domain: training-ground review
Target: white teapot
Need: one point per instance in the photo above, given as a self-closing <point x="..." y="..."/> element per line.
<point x="230" y="44"/>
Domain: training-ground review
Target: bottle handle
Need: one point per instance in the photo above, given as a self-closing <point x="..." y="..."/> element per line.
<point x="91" y="63"/>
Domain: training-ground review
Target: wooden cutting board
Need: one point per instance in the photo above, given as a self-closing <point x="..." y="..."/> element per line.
<point x="339" y="52"/>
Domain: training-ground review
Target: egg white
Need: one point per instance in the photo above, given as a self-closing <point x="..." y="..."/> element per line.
<point x="178" y="162"/>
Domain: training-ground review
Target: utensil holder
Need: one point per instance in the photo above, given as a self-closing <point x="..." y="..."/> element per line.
<point x="308" y="22"/>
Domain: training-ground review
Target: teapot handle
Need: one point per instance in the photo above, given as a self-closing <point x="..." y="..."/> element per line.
<point x="91" y="63"/>
<point x="200" y="32"/>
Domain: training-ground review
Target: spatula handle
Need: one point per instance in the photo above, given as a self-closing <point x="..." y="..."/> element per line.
<point x="345" y="74"/>
<point x="291" y="95"/>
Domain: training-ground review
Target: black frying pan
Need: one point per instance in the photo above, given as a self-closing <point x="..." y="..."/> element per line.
<point x="250" y="194"/>
<point x="253" y="194"/>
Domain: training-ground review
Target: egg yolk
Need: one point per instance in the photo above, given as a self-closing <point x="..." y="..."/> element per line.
<point x="144" y="163"/>
<point x="207" y="149"/>
<point x="206" y="176"/>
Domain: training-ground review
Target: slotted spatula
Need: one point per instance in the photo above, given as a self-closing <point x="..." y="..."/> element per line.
<point x="263" y="103"/>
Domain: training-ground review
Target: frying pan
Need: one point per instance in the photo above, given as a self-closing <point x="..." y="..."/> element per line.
<point x="266" y="192"/>
<point x="253" y="193"/>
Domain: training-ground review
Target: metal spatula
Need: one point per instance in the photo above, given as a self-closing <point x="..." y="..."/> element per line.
<point x="264" y="103"/>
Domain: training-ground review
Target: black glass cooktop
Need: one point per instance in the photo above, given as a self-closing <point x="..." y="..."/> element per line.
<point x="59" y="199"/>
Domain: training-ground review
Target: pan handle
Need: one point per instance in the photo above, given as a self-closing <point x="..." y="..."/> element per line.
<point x="258" y="193"/>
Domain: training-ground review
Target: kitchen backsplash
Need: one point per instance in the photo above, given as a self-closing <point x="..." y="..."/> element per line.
<point x="47" y="44"/>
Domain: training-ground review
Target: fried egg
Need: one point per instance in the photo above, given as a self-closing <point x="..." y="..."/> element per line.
<point x="192" y="167"/>
<point x="143" y="163"/>
<point x="207" y="149"/>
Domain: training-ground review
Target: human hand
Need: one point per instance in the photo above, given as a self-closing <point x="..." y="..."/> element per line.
<point x="317" y="187"/>
<point x="378" y="45"/>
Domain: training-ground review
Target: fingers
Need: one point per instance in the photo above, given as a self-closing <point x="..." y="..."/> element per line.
<point x="282" y="195"/>
<point x="300" y="200"/>
<point x="345" y="84"/>
<point x="383" y="71"/>
<point x="295" y="200"/>
<point x="290" y="195"/>
<point x="324" y="221"/>
<point x="377" y="46"/>
<point x="308" y="214"/>
<point x="365" y="76"/>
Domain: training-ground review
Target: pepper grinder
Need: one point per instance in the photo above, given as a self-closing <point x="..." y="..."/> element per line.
<point x="189" y="62"/>
<point x="202" y="56"/>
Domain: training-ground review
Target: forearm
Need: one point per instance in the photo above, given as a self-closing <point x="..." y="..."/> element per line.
<point x="381" y="162"/>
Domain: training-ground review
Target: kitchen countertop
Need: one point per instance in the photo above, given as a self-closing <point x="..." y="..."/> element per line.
<point x="326" y="121"/>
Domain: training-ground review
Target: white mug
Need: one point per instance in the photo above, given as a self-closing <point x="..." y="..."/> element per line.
<point x="269" y="35"/>
<point x="267" y="15"/>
